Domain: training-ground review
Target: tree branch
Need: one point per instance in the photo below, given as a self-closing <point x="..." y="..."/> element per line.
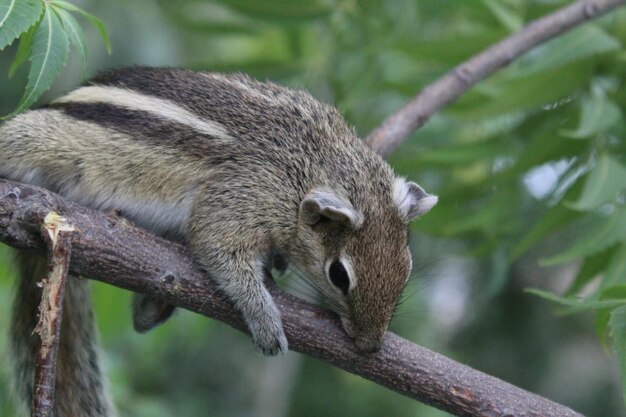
<point x="396" y="128"/>
<point x="109" y="248"/>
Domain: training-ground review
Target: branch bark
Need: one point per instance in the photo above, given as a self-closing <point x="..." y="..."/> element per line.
<point x="396" y="128"/>
<point x="110" y="249"/>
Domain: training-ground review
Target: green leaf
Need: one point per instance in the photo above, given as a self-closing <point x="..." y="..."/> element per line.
<point x="465" y="153"/>
<point x="590" y="269"/>
<point x="603" y="315"/>
<point x="93" y="19"/>
<point x="616" y="270"/>
<point x="606" y="233"/>
<point x="508" y="19"/>
<point x="601" y="324"/>
<point x="281" y="11"/>
<point x="578" y="304"/>
<point x="450" y="49"/>
<point x="23" y="50"/>
<point x="498" y="94"/>
<point x="16" y="17"/>
<point x="581" y="43"/>
<point x="605" y="182"/>
<point x="544" y="145"/>
<point x="49" y="54"/>
<point x="617" y="323"/>
<point x="74" y="33"/>
<point x="210" y="18"/>
<point x="554" y="219"/>
<point x="598" y="115"/>
<point x="491" y="218"/>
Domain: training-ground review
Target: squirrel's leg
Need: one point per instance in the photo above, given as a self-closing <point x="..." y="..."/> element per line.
<point x="236" y="257"/>
<point x="241" y="279"/>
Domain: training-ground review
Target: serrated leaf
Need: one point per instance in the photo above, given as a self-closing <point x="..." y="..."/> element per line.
<point x="576" y="303"/>
<point x="23" y="50"/>
<point x="609" y="231"/>
<point x="49" y="54"/>
<point x="604" y="183"/>
<point x="97" y="23"/>
<point x="598" y="114"/>
<point x="16" y="17"/>
<point x="74" y="33"/>
<point x="617" y="324"/>
<point x="603" y="315"/>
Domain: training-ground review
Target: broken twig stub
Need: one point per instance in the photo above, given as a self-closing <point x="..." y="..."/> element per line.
<point x="57" y="233"/>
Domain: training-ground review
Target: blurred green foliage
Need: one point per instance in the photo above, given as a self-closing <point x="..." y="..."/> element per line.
<point x="529" y="166"/>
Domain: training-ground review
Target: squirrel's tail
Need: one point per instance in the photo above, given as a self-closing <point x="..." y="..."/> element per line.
<point x="80" y="389"/>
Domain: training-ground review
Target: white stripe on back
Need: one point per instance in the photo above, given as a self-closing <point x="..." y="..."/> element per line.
<point x="132" y="100"/>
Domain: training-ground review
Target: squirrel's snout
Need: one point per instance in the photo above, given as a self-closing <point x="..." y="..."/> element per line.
<point x="365" y="342"/>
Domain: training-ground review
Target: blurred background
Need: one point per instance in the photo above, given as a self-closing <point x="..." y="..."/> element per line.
<point x="506" y="160"/>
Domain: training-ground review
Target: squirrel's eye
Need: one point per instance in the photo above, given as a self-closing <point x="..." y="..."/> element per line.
<point x="339" y="276"/>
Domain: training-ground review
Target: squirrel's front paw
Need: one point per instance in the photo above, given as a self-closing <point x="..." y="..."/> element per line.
<point x="268" y="336"/>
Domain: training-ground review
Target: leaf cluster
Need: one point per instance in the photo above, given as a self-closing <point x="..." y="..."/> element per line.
<point x="45" y="29"/>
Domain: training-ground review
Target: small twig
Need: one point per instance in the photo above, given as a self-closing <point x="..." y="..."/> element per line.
<point x="57" y="234"/>
<point x="112" y="250"/>
<point x="398" y="127"/>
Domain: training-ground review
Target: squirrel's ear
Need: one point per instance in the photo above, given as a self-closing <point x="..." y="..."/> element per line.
<point x="319" y="205"/>
<point x="412" y="200"/>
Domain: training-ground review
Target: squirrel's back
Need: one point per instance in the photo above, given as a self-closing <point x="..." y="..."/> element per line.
<point x="144" y="139"/>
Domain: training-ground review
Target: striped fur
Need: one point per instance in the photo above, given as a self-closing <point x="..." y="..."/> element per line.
<point x="156" y="107"/>
<point x="241" y="170"/>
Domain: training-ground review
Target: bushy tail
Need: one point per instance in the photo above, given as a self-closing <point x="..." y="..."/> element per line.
<point x="80" y="391"/>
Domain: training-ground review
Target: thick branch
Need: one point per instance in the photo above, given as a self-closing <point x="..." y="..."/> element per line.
<point x="110" y="249"/>
<point x="397" y="127"/>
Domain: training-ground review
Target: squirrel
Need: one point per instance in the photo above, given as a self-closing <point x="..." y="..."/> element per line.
<point x="244" y="172"/>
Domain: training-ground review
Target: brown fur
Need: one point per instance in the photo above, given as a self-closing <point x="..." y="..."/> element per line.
<point x="242" y="171"/>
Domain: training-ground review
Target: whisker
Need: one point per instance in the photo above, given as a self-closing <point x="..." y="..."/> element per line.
<point x="311" y="294"/>
<point x="306" y="280"/>
<point x="328" y="300"/>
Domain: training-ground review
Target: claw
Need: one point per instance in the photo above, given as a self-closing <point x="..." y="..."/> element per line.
<point x="273" y="347"/>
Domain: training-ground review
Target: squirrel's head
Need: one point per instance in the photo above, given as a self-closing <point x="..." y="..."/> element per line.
<point x="358" y="255"/>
